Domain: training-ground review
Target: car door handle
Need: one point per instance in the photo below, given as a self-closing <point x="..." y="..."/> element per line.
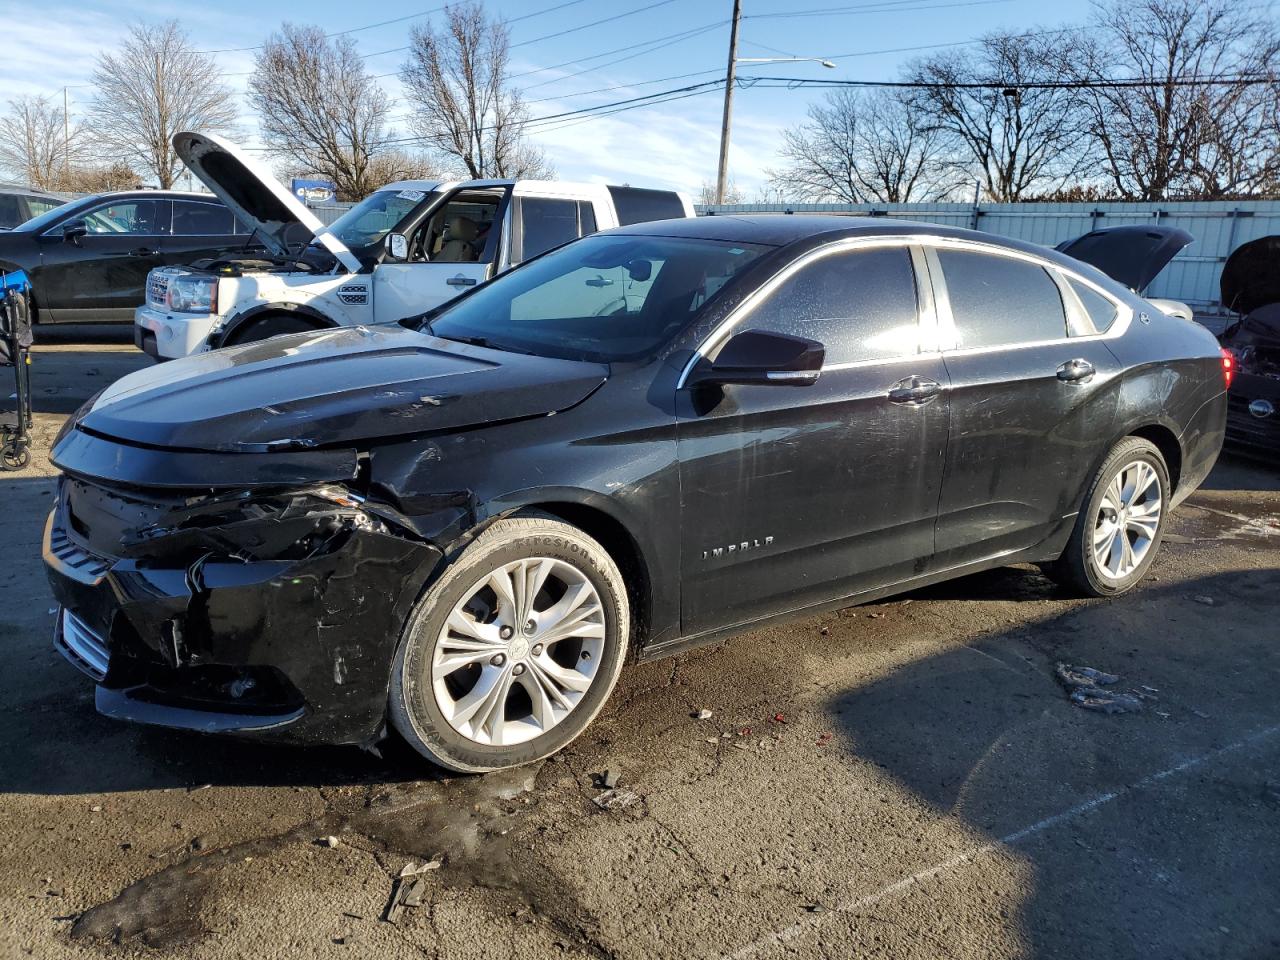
<point x="914" y="390"/>
<point x="461" y="281"/>
<point x="143" y="252"/>
<point x="1076" y="371"/>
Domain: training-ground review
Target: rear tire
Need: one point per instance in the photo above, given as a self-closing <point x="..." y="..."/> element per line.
<point x="511" y="654"/>
<point x="272" y="325"/>
<point x="1118" y="530"/>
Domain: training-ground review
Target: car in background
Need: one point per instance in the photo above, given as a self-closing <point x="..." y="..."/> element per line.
<point x="463" y="525"/>
<point x="1250" y="288"/>
<point x="20" y="204"/>
<point x="406" y="248"/>
<point x="88" y="259"/>
<point x="1133" y="254"/>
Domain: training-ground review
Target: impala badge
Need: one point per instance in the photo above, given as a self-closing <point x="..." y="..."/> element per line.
<point x="741" y="546"/>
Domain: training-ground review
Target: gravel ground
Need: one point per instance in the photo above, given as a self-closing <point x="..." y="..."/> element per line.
<point x="904" y="779"/>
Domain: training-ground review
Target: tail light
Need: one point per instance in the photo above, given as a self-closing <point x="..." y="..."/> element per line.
<point x="1228" y="367"/>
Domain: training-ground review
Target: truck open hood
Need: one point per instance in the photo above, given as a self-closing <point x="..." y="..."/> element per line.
<point x="1251" y="275"/>
<point x="327" y="388"/>
<point x="1132" y="255"/>
<point x="258" y="199"/>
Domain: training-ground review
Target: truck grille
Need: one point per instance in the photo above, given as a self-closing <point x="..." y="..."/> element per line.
<point x="157" y="290"/>
<point x="78" y="643"/>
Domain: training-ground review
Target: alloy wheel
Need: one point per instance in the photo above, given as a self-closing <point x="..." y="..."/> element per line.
<point x="1128" y="520"/>
<point x="519" y="651"/>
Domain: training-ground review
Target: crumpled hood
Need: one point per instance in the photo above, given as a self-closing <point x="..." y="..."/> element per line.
<point x="329" y="388"/>
<point x="1132" y="255"/>
<point x="1251" y="275"/>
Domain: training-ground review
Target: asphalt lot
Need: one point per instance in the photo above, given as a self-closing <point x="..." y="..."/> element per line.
<point x="903" y="779"/>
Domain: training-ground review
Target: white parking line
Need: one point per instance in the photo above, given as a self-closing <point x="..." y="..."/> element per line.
<point x="800" y="927"/>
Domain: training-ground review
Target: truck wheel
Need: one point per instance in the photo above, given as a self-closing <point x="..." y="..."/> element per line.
<point x="514" y="650"/>
<point x="271" y="325"/>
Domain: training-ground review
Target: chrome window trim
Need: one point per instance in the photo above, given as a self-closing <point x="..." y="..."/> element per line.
<point x="762" y="292"/>
<point x="931" y="244"/>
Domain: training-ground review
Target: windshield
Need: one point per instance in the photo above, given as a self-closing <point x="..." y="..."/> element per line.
<point x="602" y="298"/>
<point x="46" y="218"/>
<point x="373" y="217"/>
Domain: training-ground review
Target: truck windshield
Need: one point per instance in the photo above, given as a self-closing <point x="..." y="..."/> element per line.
<point x="374" y="217"/>
<point x="602" y="298"/>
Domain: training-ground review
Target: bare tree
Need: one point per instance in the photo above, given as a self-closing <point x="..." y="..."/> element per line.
<point x="320" y="109"/>
<point x="465" y="110"/>
<point x="865" y="147"/>
<point x="1165" y="139"/>
<point x="1014" y="139"/>
<point x="32" y="147"/>
<point x="156" y="85"/>
<point x="97" y="178"/>
<point x="732" y="194"/>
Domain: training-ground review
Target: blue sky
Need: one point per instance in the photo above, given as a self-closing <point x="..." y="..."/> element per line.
<point x="673" y="144"/>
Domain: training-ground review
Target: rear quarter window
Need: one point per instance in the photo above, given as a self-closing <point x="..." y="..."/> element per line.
<point x="635" y="205"/>
<point x="1101" y="310"/>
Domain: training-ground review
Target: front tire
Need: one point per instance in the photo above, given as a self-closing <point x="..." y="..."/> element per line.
<point x="511" y="654"/>
<point x="1118" y="530"/>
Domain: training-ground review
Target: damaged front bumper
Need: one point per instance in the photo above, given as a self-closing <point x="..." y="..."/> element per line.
<point x="260" y="613"/>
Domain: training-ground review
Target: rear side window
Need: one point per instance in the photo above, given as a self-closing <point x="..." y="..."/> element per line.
<point x="635" y="205"/>
<point x="200" y="219"/>
<point x="11" y="213"/>
<point x="545" y="224"/>
<point x="1102" y="312"/>
<point x="997" y="301"/>
<point x="586" y="217"/>
<point x="860" y="305"/>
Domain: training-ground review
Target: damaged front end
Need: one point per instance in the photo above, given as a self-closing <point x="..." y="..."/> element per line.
<point x="245" y="610"/>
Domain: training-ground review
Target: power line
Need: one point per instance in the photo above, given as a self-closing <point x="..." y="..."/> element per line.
<point x="885" y="6"/>
<point x="689" y="35"/>
<point x="593" y="23"/>
<point x="606" y="53"/>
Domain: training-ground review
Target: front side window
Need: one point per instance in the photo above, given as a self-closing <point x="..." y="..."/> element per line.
<point x="604" y="298"/>
<point x="999" y="301"/>
<point x="460" y="230"/>
<point x="546" y="223"/>
<point x="145" y="218"/>
<point x="859" y="304"/>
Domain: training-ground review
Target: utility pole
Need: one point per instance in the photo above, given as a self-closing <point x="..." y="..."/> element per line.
<point x="66" y="137"/>
<point x="722" y="173"/>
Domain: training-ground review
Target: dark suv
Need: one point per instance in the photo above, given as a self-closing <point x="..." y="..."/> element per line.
<point x="20" y="204"/>
<point x="88" y="260"/>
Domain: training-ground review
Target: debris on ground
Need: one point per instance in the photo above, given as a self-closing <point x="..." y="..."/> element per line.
<point x="609" y="779"/>
<point x="616" y="800"/>
<point x="1207" y="601"/>
<point x="779" y="718"/>
<point x="330" y="841"/>
<point x="406" y="892"/>
<point x="1086" y="686"/>
<point x="824" y="739"/>
<point x="703" y="714"/>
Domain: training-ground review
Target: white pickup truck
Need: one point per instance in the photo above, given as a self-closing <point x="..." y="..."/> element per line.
<point x="401" y="251"/>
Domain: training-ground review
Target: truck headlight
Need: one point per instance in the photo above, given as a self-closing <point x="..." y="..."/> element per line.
<point x="193" y="294"/>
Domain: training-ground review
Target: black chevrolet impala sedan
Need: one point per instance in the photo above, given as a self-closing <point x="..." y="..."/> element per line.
<point x="464" y="525"/>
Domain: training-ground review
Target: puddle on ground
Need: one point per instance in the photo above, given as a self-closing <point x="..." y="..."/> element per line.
<point x="467" y="821"/>
<point x="1198" y="523"/>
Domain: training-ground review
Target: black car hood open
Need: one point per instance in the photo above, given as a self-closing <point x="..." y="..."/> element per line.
<point x="1251" y="275"/>
<point x="1132" y="255"/>
<point x="332" y="388"/>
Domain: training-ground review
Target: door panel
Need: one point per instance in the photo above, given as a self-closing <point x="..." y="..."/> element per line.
<point x="200" y="230"/>
<point x="453" y="250"/>
<point x="795" y="495"/>
<point x="1027" y="418"/>
<point x="104" y="276"/>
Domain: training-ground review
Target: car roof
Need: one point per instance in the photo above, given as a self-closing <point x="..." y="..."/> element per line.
<point x="781" y="230"/>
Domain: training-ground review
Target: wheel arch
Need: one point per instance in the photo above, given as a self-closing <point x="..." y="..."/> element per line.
<point x="258" y="312"/>
<point x="1166" y="441"/>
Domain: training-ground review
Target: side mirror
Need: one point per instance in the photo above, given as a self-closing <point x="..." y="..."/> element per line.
<point x="73" y="230"/>
<point x="761" y="357"/>
<point x="640" y="270"/>
<point x="397" y="245"/>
